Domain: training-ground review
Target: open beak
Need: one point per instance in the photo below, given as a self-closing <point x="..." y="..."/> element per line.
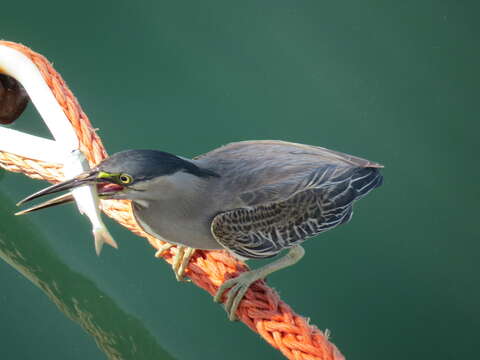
<point x="105" y="189"/>
<point x="82" y="179"/>
<point x="62" y="199"/>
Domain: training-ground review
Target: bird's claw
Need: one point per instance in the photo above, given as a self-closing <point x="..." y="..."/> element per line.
<point x="161" y="249"/>
<point x="238" y="287"/>
<point x="180" y="259"/>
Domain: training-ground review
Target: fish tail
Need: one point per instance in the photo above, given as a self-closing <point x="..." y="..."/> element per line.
<point x="102" y="236"/>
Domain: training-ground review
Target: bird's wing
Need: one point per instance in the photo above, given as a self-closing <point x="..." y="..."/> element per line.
<point x="277" y="149"/>
<point x="259" y="172"/>
<point x="324" y="201"/>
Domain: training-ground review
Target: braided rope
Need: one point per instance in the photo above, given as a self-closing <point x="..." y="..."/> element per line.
<point x="261" y="309"/>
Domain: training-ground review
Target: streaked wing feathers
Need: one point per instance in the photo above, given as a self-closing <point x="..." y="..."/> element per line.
<point x="325" y="201"/>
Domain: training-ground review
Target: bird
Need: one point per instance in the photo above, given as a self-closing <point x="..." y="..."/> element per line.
<point x="254" y="199"/>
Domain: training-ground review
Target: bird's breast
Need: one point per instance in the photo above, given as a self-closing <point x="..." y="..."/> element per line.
<point x="176" y="223"/>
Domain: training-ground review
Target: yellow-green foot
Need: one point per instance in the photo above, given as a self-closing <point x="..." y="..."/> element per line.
<point x="238" y="286"/>
<point x="180" y="259"/>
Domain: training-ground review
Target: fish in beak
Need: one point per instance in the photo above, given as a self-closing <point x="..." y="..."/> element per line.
<point x="86" y="189"/>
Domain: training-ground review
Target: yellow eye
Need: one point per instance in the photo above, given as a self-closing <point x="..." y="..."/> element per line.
<point x="125" y="179"/>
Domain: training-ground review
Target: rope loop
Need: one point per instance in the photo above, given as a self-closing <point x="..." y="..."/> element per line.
<point x="261" y="309"/>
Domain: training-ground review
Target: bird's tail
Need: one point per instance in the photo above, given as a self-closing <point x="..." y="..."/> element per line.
<point x="347" y="185"/>
<point x="365" y="180"/>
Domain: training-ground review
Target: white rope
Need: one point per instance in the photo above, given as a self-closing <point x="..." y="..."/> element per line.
<point x="21" y="68"/>
<point x="65" y="148"/>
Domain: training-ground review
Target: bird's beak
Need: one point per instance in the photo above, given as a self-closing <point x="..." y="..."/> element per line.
<point x="62" y="199"/>
<point x="88" y="177"/>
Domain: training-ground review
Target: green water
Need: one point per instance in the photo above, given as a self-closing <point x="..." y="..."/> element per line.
<point x="395" y="82"/>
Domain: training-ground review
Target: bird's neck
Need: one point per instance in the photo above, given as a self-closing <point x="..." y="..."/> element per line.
<point x="183" y="194"/>
<point x="181" y="215"/>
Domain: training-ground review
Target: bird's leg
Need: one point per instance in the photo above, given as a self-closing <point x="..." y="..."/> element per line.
<point x="239" y="285"/>
<point x="180" y="259"/>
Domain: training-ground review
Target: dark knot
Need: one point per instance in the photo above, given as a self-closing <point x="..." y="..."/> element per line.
<point x="13" y="99"/>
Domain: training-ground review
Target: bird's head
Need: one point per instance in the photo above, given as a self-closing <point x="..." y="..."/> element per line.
<point x="130" y="174"/>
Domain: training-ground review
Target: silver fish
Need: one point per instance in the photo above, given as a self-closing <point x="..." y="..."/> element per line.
<point x="86" y="197"/>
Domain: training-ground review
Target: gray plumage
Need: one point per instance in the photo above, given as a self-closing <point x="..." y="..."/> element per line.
<point x="265" y="196"/>
<point x="253" y="198"/>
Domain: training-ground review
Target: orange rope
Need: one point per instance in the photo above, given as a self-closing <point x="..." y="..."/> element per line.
<point x="261" y="309"/>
